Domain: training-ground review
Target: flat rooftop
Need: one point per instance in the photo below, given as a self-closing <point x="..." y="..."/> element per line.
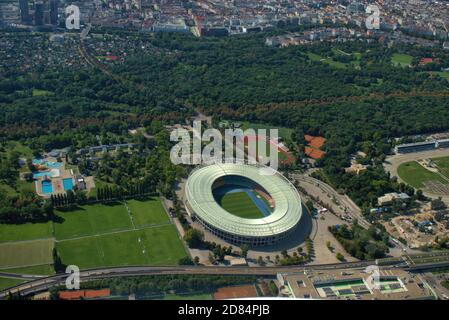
<point x="391" y="284"/>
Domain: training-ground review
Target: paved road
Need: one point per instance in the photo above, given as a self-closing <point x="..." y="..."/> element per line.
<point x="434" y="281"/>
<point x="349" y="206"/>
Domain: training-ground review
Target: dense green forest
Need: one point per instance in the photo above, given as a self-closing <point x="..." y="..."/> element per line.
<point x="359" y="101"/>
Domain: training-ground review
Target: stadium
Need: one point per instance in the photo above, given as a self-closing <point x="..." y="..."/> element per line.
<point x="238" y="204"/>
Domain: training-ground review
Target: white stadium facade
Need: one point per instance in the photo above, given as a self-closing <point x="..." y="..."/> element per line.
<point x="202" y="206"/>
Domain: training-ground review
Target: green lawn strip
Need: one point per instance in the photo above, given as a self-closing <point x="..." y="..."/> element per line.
<point x="7" y="282"/>
<point x="415" y="175"/>
<point x="44" y="270"/>
<point x="199" y="296"/>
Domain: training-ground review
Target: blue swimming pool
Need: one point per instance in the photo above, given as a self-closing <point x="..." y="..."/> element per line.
<point x="41" y="174"/>
<point x="49" y="164"/>
<point x="67" y="184"/>
<point x="47" y="187"/>
<point x="53" y="165"/>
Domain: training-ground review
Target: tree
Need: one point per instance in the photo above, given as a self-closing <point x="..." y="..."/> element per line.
<point x="437" y="204"/>
<point x="58" y="266"/>
<point x="244" y="252"/>
<point x="309" y="206"/>
<point x="185" y="261"/>
<point x="194" y="238"/>
<point x="340" y="257"/>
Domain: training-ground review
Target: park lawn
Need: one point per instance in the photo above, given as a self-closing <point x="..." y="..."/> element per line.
<point x="443" y="165"/>
<point x="26" y="253"/>
<point x="443" y="74"/>
<point x="39" y="93"/>
<point x="147" y="211"/>
<point x="329" y="61"/>
<point x="157" y="246"/>
<point x="41" y="270"/>
<point x="241" y="205"/>
<point x="402" y="60"/>
<point x="26" y="231"/>
<point x="92" y="219"/>
<point x="7" y="282"/>
<point x="415" y="175"/>
<point x="282" y="156"/>
<point x="283" y="132"/>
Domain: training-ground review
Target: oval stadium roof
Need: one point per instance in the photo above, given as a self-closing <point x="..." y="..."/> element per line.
<point x="285" y="216"/>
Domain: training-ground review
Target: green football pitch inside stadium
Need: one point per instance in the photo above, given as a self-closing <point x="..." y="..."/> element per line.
<point x="241" y="205"/>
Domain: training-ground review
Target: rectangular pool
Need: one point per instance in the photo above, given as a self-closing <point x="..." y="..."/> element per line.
<point x="67" y="184"/>
<point x="47" y="187"/>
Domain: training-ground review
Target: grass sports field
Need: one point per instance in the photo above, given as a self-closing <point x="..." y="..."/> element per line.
<point x="241" y="205"/>
<point x="26" y="253"/>
<point x="443" y="165"/>
<point x="92" y="219"/>
<point x="27" y="231"/>
<point x="147" y="212"/>
<point x="156" y="246"/>
<point x="415" y="174"/>
<point x="402" y="60"/>
<point x="93" y="236"/>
